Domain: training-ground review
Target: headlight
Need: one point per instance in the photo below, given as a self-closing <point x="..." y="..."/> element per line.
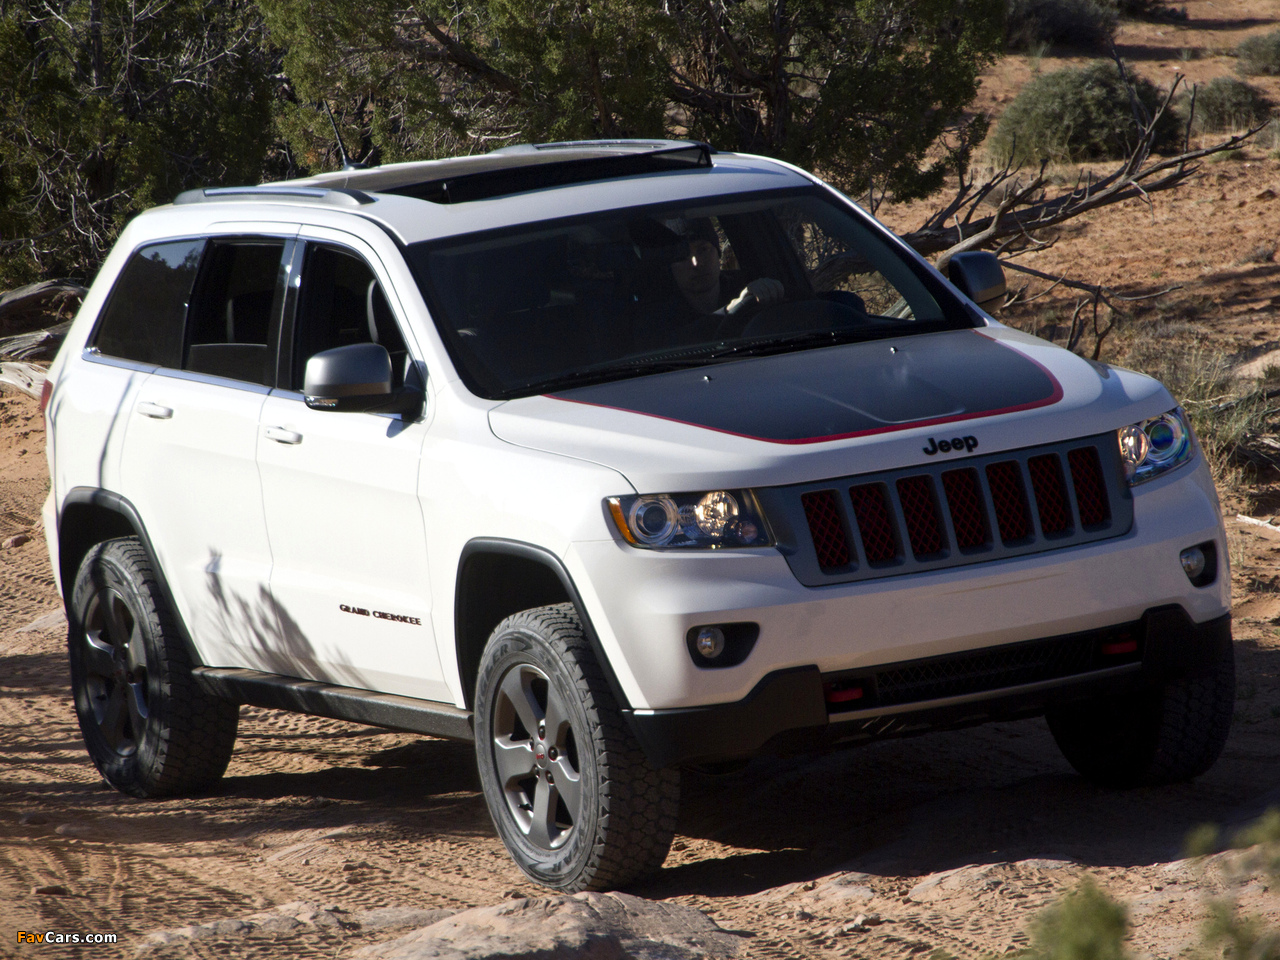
<point x="721" y="518"/>
<point x="1153" y="446"/>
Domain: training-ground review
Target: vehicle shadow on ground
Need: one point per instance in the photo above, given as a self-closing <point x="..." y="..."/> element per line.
<point x="409" y="780"/>
<point x="22" y="674"/>
<point x="990" y="794"/>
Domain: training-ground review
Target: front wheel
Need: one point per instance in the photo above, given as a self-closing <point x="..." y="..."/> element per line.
<point x="1167" y="734"/>
<point x="571" y="793"/>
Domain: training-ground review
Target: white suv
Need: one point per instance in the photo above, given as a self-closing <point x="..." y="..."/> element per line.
<point x="612" y="457"/>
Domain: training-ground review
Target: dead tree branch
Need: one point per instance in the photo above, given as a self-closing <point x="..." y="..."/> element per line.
<point x="1097" y="296"/>
<point x="1027" y="204"/>
<point x="40" y="296"/>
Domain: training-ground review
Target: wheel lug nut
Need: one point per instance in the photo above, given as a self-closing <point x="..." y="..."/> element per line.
<point x="553" y="753"/>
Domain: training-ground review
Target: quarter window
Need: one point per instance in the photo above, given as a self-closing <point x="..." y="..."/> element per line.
<point x="147" y="309"/>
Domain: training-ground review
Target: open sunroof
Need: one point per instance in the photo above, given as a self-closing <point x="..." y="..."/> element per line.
<point x="556" y="173"/>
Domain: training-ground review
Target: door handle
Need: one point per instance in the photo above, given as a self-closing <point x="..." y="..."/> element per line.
<point x="281" y="435"/>
<point x="154" y="410"/>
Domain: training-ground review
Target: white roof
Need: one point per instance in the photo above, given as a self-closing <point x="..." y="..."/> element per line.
<point x="412" y="220"/>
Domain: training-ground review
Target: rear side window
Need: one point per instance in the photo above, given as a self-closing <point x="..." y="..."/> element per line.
<point x="233" y="314"/>
<point x="147" y="308"/>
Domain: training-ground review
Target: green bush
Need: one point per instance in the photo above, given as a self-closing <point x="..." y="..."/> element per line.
<point x="1259" y="55"/>
<point x="1225" y="103"/>
<point x="1085" y="925"/>
<point x="1150" y="10"/>
<point x="1088" y="24"/>
<point x="1071" y="116"/>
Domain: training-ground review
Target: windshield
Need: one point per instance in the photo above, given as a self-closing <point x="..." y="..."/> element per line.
<point x="630" y="292"/>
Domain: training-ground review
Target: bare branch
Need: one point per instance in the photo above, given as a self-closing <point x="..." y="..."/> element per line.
<point x="953" y="229"/>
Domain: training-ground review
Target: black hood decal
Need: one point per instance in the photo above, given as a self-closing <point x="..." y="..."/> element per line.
<point x="834" y="393"/>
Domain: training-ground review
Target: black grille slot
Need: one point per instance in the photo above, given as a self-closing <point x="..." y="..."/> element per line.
<point x="990" y="670"/>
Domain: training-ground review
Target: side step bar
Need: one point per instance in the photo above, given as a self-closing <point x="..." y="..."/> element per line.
<point x="339" y="703"/>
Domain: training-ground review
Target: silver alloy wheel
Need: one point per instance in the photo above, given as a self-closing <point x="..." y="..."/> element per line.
<point x="115" y="665"/>
<point x="535" y="754"/>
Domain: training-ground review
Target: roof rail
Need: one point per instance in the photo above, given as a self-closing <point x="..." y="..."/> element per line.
<point x="336" y="196"/>
<point x="627" y="146"/>
<point x="633" y="158"/>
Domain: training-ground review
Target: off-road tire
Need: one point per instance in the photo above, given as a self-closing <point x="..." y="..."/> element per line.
<point x="150" y="730"/>
<point x="626" y="814"/>
<point x="1168" y="734"/>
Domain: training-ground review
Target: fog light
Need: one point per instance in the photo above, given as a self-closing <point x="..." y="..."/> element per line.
<point x="1193" y="563"/>
<point x="710" y="642"/>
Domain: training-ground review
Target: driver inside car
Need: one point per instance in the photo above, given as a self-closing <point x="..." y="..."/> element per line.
<point x="696" y="271"/>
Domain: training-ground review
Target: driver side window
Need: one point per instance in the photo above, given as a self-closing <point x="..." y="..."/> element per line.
<point x="341" y="302"/>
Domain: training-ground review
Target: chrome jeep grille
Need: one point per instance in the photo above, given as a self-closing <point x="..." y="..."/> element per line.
<point x="952" y="513"/>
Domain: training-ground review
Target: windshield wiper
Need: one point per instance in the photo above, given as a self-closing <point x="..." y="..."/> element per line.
<point x="761" y="346"/>
<point x="607" y="371"/>
<point x="684" y="357"/>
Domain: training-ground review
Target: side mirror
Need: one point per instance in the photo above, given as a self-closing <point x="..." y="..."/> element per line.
<point x="979" y="276"/>
<point x="357" y="378"/>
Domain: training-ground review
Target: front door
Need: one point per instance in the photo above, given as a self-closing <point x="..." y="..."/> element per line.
<point x="340" y="491"/>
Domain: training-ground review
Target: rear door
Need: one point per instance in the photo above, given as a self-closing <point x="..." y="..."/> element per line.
<point x="350" y="578"/>
<point x="189" y="457"/>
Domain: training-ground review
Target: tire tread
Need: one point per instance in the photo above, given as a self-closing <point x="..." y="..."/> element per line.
<point x="196" y="731"/>
<point x="639" y="802"/>
<point x="1169" y="734"/>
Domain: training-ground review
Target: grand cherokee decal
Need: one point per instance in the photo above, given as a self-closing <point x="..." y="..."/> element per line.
<point x="844" y="391"/>
<point x="379" y="614"/>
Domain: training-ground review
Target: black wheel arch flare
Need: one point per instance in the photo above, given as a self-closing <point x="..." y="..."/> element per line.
<point x="485" y="594"/>
<point x="90" y="515"/>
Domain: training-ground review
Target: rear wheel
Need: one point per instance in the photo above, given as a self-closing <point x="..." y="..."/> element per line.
<point x="1171" y="733"/>
<point x="572" y="795"/>
<point x="147" y="726"/>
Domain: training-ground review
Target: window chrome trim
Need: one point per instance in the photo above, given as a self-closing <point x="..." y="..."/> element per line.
<point x="213" y="380"/>
<point x="94" y="355"/>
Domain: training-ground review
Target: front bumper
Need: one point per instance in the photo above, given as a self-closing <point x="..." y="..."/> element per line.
<point x="642" y="604"/>
<point x="792" y="710"/>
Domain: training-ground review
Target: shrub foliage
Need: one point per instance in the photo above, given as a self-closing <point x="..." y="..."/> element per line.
<point x="1087" y="24"/>
<point x="1225" y="103"/>
<point x="1259" y="55"/>
<point x="1071" y="116"/>
<point x="867" y="91"/>
<point x="1086" y="925"/>
<point x="109" y="107"/>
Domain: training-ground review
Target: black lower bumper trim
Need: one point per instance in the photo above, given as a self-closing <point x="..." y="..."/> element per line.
<point x="788" y="710"/>
<point x="783" y="700"/>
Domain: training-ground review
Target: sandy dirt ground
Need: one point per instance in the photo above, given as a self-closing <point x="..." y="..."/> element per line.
<point x="790" y="852"/>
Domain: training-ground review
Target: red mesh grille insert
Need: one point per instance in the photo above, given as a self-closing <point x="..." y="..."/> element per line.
<point x="1091" y="492"/>
<point x="828" y="532"/>
<point x="1051" y="493"/>
<point x="1010" y="499"/>
<point x="965" y="503"/>
<point x="872" y="511"/>
<point x="923" y="528"/>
